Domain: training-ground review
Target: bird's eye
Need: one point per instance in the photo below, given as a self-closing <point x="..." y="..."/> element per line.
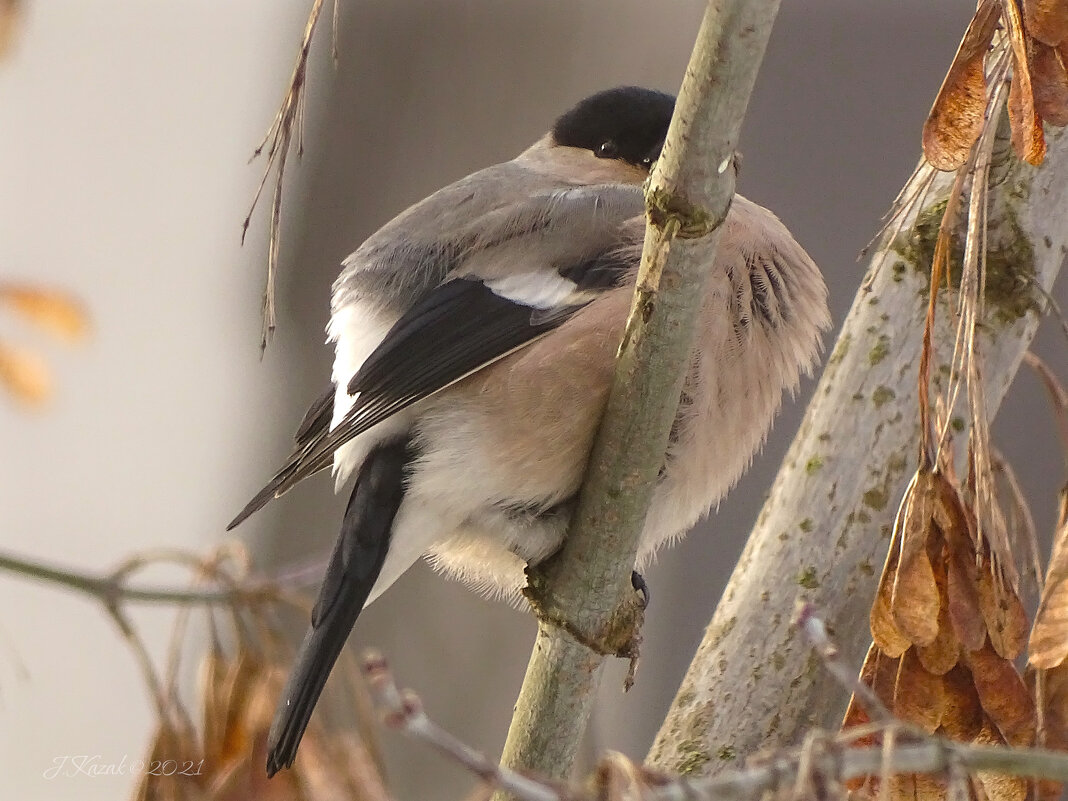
<point x="607" y="150"/>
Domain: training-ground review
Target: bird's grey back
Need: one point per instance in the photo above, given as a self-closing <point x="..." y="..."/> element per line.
<point x="503" y="205"/>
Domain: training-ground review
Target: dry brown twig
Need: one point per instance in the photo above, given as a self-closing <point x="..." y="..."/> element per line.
<point x="1058" y="396"/>
<point x="402" y="710"/>
<point x="820" y="765"/>
<point x="814" y="629"/>
<point x="1021" y="519"/>
<point x="219" y="754"/>
<point x="278" y="141"/>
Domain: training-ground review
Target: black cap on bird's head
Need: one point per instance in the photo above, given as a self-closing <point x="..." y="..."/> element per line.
<point x="628" y="123"/>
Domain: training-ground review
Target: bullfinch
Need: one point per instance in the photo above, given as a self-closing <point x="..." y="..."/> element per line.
<point x="475" y="336"/>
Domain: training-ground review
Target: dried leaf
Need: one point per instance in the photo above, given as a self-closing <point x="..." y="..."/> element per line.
<point x="962" y="715"/>
<point x="961" y="571"/>
<point x="1048" y="646"/>
<point x="1056" y="708"/>
<point x="884" y="678"/>
<point x="55" y="312"/>
<point x="171" y="747"/>
<point x="880" y="673"/>
<point x="24" y="374"/>
<point x="1046" y="20"/>
<point x="942" y="654"/>
<point x="956" y="117"/>
<point x="1005" y="616"/>
<point x="998" y="786"/>
<point x="1050" y="82"/>
<point x="918" y="695"/>
<point x="9" y="20"/>
<point x="239" y="775"/>
<point x="229" y="686"/>
<point x="1027" y="137"/>
<point x="1048" y="790"/>
<point x="855" y="714"/>
<point x="914" y="602"/>
<point x="917" y="787"/>
<point x="1003" y="695"/>
<point x="978" y="793"/>
<point x="884" y="631"/>
<point x="212" y="676"/>
<point x="1050" y="689"/>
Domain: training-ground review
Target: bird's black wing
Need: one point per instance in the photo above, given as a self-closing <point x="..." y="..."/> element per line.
<point x="317" y="418"/>
<point x="467" y="322"/>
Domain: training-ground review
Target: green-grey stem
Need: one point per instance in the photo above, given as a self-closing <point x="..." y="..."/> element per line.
<point x="585" y="590"/>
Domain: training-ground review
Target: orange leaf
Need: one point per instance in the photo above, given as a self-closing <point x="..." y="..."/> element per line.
<point x="1051" y="692"/>
<point x="884" y="678"/>
<point x="918" y="695"/>
<point x="1054" y="732"/>
<point x="942" y="654"/>
<point x="230" y="685"/>
<point x="962" y="575"/>
<point x="1048" y="790"/>
<point x="1003" y="695"/>
<point x="1056" y="707"/>
<point x="55" y="312"/>
<point x="1050" y="82"/>
<point x="24" y="374"/>
<point x="884" y="631"/>
<point x="956" y="117"/>
<point x="914" y="603"/>
<point x="171" y="747"/>
<point x="855" y="714"/>
<point x="917" y="787"/>
<point x="1005" y="616"/>
<point x="1048" y="645"/>
<point x="1027" y="137"/>
<point x="962" y="716"/>
<point x="9" y="18"/>
<point x="1046" y="20"/>
<point x="998" y="786"/>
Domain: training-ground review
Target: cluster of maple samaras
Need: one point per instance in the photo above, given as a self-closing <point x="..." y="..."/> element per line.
<point x="947" y="626"/>
<point x="1036" y="34"/>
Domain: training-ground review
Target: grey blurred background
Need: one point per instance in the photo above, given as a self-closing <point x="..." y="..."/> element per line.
<point x="125" y="128"/>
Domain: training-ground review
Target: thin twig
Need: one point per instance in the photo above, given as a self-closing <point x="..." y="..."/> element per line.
<point x="1057" y="395"/>
<point x="822" y="759"/>
<point x="404" y="711"/>
<point x="111" y="588"/>
<point x="1051" y="301"/>
<point x="277" y="141"/>
<point x="913" y="195"/>
<point x="815" y="630"/>
<point x="1021" y="511"/>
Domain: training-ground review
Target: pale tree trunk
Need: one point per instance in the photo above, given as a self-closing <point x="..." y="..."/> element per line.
<point x="823" y="533"/>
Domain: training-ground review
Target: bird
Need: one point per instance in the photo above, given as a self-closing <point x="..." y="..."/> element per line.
<point x="475" y="336"/>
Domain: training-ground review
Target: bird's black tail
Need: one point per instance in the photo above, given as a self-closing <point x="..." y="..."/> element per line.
<point x="353" y="569"/>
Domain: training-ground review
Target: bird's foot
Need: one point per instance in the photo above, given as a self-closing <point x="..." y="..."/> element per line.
<point x="637" y="581"/>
